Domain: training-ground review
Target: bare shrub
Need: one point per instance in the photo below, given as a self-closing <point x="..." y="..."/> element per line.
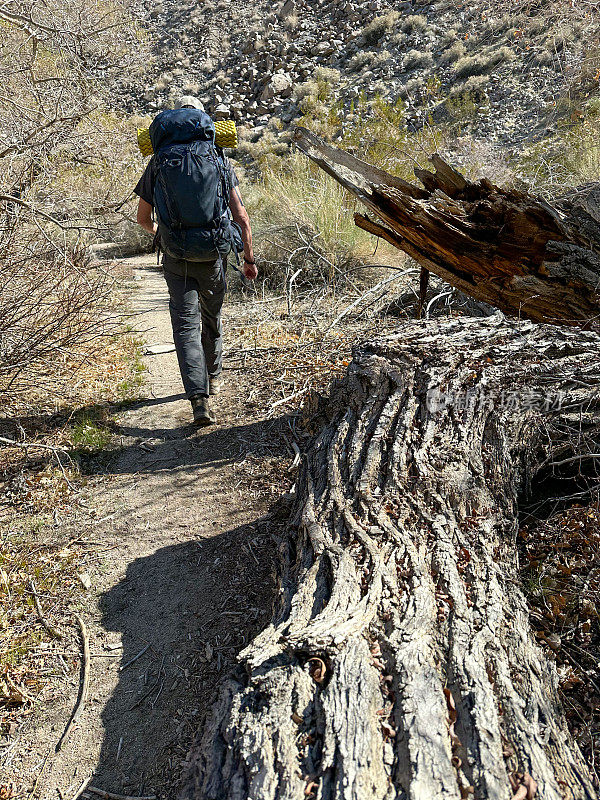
<point x="379" y="26"/>
<point x="453" y="53"/>
<point x="472" y="90"/>
<point x="482" y="62"/>
<point x="360" y="60"/>
<point x="328" y="75"/>
<point x="61" y="176"/>
<point x="307" y="88"/>
<point x="398" y="39"/>
<point x="449" y="37"/>
<point x="51" y="308"/>
<point x="417" y="59"/>
<point x="291" y="22"/>
<point x="415" y="23"/>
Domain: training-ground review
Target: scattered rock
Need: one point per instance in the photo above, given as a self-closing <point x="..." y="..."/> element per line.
<point x="262" y="51"/>
<point x="85" y="580"/>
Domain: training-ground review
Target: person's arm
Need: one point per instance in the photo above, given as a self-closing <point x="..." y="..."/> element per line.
<point x="240" y="215"/>
<point x="144" y="217"/>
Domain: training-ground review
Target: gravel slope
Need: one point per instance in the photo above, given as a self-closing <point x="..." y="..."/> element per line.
<point x="503" y="72"/>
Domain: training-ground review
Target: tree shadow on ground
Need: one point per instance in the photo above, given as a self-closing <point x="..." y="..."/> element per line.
<point x="194" y="606"/>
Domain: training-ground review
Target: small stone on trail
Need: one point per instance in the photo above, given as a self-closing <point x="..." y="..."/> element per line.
<point x="159" y="349"/>
<point x="85" y="579"/>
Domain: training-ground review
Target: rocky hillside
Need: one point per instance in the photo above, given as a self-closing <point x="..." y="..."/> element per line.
<point x="502" y="72"/>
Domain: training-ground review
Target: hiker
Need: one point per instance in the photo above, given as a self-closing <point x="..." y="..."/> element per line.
<point x="192" y="188"/>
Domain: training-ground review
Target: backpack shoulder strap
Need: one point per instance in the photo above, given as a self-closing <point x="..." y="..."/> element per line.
<point x="224" y="172"/>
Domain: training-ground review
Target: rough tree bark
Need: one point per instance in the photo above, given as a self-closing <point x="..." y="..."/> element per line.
<point x="505" y="247"/>
<point x="400" y="662"/>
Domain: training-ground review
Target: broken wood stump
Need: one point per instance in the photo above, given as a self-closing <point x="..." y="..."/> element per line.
<point x="528" y="258"/>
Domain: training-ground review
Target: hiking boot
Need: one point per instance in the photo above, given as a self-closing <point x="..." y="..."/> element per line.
<point x="202" y="413"/>
<point x="215" y="385"/>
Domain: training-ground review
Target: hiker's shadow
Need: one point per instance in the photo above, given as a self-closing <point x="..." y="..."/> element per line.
<point x="188" y="609"/>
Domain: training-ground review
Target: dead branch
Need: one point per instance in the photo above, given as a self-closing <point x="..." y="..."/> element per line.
<point x="85" y="682"/>
<point x="38" y="607"/>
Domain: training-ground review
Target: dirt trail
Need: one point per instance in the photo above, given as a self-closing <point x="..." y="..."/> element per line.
<point x="183" y="570"/>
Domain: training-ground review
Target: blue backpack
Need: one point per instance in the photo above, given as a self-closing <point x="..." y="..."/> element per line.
<point x="193" y="184"/>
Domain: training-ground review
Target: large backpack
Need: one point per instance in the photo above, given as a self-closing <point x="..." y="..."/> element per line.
<point x="191" y="194"/>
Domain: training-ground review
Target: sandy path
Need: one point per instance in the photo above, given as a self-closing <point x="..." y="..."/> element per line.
<point x="183" y="570"/>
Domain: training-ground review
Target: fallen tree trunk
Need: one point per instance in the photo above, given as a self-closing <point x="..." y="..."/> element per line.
<point x="502" y="246"/>
<point x="400" y="662"/>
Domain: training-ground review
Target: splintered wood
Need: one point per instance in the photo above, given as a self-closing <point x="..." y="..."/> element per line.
<point x="505" y="247"/>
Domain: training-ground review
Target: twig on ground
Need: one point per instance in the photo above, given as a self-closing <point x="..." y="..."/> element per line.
<point x="297" y="456"/>
<point x="27" y="697"/>
<point x="39" y="775"/>
<point x="38" y="607"/>
<point x="151" y="689"/>
<point x="373" y="289"/>
<point x="54" y="450"/>
<point x="81" y="789"/>
<point x="289" y="397"/>
<point x="25" y="445"/>
<point x="84" y="684"/>
<point x="135" y="658"/>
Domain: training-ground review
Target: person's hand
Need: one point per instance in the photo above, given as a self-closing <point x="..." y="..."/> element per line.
<point x="250" y="270"/>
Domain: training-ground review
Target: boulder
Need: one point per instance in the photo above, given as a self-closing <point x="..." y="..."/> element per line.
<point x="280" y="84"/>
<point x="288" y="8"/>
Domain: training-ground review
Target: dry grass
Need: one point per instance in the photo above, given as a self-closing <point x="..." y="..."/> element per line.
<point x="482" y="62"/>
<point x="304" y="224"/>
<point x="558" y="163"/>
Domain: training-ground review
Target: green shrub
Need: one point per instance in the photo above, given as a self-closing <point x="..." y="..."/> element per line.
<point x="592" y="108"/>
<point x="466" y="100"/>
<point x="558" y="163"/>
<point x="90" y="431"/>
<point x="316" y="90"/>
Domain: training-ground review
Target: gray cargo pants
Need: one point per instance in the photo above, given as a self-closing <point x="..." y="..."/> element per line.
<point x="195" y="300"/>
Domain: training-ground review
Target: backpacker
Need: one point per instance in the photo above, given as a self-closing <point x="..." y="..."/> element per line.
<point x="191" y="194"/>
